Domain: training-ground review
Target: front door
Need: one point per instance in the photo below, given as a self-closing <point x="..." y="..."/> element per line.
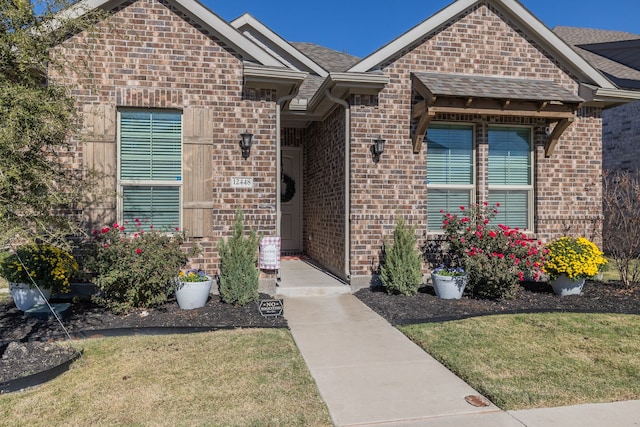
<point x="291" y="197"/>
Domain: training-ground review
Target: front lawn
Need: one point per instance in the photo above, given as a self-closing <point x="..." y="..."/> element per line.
<point x="540" y="360"/>
<point x="244" y="377"/>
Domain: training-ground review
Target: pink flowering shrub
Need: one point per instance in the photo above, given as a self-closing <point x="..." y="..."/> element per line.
<point x="497" y="258"/>
<point x="133" y="267"/>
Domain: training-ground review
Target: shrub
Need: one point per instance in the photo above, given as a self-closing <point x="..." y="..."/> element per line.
<point x="496" y="258"/>
<point x="578" y="258"/>
<point x="401" y="272"/>
<point x="239" y="273"/>
<point x="135" y="268"/>
<point x="621" y="228"/>
<point x="48" y="266"/>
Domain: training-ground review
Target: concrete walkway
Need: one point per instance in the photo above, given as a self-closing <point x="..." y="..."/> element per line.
<point x="370" y="374"/>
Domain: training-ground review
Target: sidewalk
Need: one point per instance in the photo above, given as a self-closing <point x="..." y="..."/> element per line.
<point x="370" y="374"/>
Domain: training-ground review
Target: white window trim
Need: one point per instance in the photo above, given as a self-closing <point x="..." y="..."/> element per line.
<point x="121" y="183"/>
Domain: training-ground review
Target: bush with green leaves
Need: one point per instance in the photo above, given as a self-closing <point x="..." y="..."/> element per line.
<point x="135" y="268"/>
<point x="239" y="275"/>
<point x="401" y="271"/>
<point x="496" y="257"/>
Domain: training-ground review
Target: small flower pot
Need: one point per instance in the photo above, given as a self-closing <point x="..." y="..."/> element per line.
<point x="192" y="295"/>
<point x="25" y="296"/>
<point x="563" y="286"/>
<point x="448" y="287"/>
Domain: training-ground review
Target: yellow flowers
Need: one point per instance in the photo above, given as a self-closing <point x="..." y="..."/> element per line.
<point x="576" y="257"/>
<point x="46" y="265"/>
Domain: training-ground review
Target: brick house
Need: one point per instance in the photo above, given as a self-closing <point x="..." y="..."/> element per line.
<point x="480" y="102"/>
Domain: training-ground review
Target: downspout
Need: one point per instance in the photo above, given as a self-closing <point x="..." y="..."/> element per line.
<point x="279" y="103"/>
<point x="347" y="181"/>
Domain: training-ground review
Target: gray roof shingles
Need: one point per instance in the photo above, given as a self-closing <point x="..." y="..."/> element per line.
<point x="495" y="87"/>
<point x="585" y="42"/>
<point x="329" y="59"/>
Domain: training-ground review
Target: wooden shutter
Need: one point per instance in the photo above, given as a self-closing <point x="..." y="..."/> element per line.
<point x="198" y="172"/>
<point x="100" y="156"/>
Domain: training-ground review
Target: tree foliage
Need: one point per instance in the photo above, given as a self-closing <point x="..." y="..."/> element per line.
<point x="38" y="190"/>
<point x="401" y="272"/>
<point x="239" y="275"/>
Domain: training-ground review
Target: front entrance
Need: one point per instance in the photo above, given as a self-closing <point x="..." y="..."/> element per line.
<point x="291" y="210"/>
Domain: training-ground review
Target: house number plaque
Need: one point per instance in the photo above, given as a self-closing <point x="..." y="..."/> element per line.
<point x="241" y="182"/>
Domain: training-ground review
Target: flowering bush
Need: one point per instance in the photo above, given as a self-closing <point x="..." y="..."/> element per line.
<point x="193" y="276"/>
<point x="451" y="271"/>
<point x="135" y="268"/>
<point x="48" y="266"/>
<point x="496" y="258"/>
<point x="578" y="258"/>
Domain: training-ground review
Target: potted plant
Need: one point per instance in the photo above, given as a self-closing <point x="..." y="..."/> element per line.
<point x="495" y="256"/>
<point x="192" y="289"/>
<point x="570" y="261"/>
<point x="35" y="271"/>
<point x="449" y="283"/>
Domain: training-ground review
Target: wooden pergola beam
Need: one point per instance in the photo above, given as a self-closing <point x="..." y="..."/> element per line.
<point x="558" y="115"/>
<point x="421" y="129"/>
<point x="555" y="135"/>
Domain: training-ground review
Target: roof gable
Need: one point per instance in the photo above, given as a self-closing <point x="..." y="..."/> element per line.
<point x="520" y="16"/>
<point x="199" y="13"/>
<point x="278" y="47"/>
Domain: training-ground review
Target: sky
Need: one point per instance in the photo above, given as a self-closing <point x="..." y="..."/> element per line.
<point x="360" y="27"/>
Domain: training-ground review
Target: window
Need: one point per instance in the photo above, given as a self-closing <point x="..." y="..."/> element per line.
<point x="450" y="171"/>
<point x="150" y="166"/>
<point x="510" y="175"/>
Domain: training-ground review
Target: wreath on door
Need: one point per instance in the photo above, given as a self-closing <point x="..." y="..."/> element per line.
<point x="290" y="188"/>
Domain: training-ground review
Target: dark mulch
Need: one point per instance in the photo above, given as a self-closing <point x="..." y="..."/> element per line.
<point x="24" y="349"/>
<point x="30" y="354"/>
<point x="535" y="297"/>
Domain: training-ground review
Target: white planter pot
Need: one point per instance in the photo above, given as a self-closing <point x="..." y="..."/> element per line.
<point x="25" y="297"/>
<point x="564" y="286"/>
<point x="192" y="295"/>
<point x="449" y="287"/>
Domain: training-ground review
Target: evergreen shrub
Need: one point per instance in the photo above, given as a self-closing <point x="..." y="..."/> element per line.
<point x="401" y="272"/>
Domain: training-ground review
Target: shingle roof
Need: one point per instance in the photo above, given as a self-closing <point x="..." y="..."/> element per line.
<point x="596" y="47"/>
<point x="495" y="87"/>
<point x="329" y="59"/>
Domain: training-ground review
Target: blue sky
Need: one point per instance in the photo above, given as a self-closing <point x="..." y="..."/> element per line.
<point x="359" y="27"/>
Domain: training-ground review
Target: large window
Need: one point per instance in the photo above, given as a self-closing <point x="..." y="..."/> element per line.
<point x="450" y="171"/>
<point x="510" y="175"/>
<point x="150" y="166"/>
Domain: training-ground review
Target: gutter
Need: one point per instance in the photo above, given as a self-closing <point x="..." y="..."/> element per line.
<point x="347" y="181"/>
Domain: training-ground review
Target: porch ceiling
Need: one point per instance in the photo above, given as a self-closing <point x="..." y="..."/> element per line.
<point x="483" y="95"/>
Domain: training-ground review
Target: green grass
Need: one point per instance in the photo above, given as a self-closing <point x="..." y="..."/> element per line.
<point x="230" y="378"/>
<point x="540" y="360"/>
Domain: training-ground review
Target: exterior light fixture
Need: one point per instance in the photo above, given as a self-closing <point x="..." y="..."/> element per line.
<point x="245" y="144"/>
<point x="377" y="149"/>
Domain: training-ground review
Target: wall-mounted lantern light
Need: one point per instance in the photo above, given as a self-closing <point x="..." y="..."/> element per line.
<point x="245" y="144"/>
<point x="377" y="148"/>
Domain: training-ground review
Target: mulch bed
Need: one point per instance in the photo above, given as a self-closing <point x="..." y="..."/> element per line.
<point x="30" y="351"/>
<point x="535" y="297"/>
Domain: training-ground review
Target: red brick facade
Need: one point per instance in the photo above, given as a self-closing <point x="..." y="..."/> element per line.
<point x="150" y="55"/>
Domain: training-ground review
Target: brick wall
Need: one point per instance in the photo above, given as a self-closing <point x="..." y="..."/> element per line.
<point x="323" y="204"/>
<point x="567" y="187"/>
<point x="150" y="55"/>
<point x="621" y="138"/>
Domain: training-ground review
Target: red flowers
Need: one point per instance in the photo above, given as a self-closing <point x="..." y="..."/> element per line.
<point x="138" y="251"/>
